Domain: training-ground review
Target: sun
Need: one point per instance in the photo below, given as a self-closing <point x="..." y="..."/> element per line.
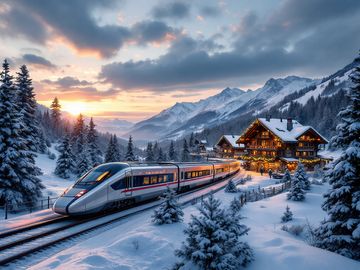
<point x="75" y="108"/>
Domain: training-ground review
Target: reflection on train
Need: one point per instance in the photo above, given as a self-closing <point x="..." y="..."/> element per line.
<point x="117" y="184"/>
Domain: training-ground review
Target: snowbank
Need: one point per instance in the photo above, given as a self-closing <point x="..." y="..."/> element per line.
<point x="138" y="244"/>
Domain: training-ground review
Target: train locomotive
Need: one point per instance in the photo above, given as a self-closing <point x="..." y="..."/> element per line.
<point x="117" y="184"/>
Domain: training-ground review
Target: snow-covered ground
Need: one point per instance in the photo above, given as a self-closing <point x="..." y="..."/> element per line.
<point x="138" y="244"/>
<point x="54" y="185"/>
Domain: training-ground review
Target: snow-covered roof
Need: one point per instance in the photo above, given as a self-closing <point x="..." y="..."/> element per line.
<point x="204" y="141"/>
<point x="290" y="159"/>
<point x="232" y="140"/>
<point x="279" y="128"/>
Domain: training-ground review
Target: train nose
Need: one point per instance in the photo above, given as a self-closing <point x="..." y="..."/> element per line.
<point x="61" y="205"/>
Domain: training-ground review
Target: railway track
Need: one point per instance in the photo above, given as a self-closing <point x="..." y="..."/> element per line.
<point x="17" y="244"/>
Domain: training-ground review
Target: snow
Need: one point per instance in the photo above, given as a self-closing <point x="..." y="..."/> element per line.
<point x="232" y="140"/>
<point x="139" y="244"/>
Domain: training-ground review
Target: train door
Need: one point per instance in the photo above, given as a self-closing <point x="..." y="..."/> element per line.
<point x="128" y="184"/>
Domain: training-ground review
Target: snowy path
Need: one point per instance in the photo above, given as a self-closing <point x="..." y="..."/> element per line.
<point x="138" y="244"/>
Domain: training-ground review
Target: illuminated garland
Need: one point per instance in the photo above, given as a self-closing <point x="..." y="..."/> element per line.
<point x="310" y="161"/>
<point x="258" y="159"/>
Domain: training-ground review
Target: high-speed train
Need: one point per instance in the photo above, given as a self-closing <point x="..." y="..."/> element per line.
<point x="117" y="184"/>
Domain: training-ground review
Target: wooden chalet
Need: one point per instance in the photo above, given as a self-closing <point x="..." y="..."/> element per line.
<point x="227" y="147"/>
<point x="278" y="144"/>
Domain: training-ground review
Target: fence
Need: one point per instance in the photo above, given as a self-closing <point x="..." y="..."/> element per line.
<point x="45" y="203"/>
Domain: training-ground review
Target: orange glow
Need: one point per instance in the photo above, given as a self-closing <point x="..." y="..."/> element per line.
<point x="75" y="108"/>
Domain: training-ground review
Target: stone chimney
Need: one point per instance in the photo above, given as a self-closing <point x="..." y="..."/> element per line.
<point x="268" y="117"/>
<point x="289" y="125"/>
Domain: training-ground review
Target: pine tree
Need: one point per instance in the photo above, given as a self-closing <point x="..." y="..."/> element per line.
<point x="130" y="151"/>
<point x="169" y="211"/>
<point x="296" y="192"/>
<point x="300" y="174"/>
<point x="231" y="187"/>
<point x="83" y="162"/>
<point x="65" y="163"/>
<point x="191" y="140"/>
<point x="55" y="108"/>
<point x="95" y="155"/>
<point x="287" y="216"/>
<point x="235" y="205"/>
<point x="213" y="239"/>
<point x="109" y="155"/>
<point x="149" y="153"/>
<point x="172" y="153"/>
<point x="185" y="155"/>
<point x="31" y="130"/>
<point x="286" y="177"/>
<point x="18" y="173"/>
<point x="155" y="151"/>
<point x="161" y="156"/>
<point x="340" y="231"/>
<point x="117" y="154"/>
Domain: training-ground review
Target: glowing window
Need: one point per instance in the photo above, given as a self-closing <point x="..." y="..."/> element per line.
<point x="146" y="180"/>
<point x="153" y="179"/>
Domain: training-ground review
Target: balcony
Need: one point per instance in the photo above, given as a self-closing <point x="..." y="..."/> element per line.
<point x="261" y="147"/>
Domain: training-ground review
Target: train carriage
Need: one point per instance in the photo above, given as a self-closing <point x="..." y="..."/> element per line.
<point x="117" y="184"/>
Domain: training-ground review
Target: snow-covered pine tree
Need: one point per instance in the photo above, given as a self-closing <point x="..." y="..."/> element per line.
<point x="18" y="173"/>
<point x="109" y="154"/>
<point x="231" y="187"/>
<point x="191" y="140"/>
<point x="235" y="205"/>
<point x="296" y="192"/>
<point x="340" y="231"/>
<point x="213" y="240"/>
<point x="130" y="156"/>
<point x="31" y="131"/>
<point x="172" y="153"/>
<point x="185" y="155"/>
<point x="55" y="117"/>
<point x="155" y="150"/>
<point x="287" y="216"/>
<point x="286" y="177"/>
<point x="117" y="153"/>
<point x="169" y="211"/>
<point x="301" y="174"/>
<point x="149" y="153"/>
<point x="83" y="162"/>
<point x="65" y="163"/>
<point x="318" y="172"/>
<point x="161" y="156"/>
<point x="95" y="154"/>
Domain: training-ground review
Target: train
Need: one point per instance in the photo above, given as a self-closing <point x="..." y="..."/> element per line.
<point x="118" y="184"/>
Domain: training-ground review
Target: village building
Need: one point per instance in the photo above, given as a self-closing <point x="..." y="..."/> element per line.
<point x="227" y="147"/>
<point x="278" y="144"/>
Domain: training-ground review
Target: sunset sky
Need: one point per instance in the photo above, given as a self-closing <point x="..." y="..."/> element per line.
<point x="131" y="59"/>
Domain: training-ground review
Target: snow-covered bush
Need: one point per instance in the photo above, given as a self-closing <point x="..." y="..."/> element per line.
<point x="231" y="187"/>
<point x="293" y="229"/>
<point x="318" y="172"/>
<point x="52" y="156"/>
<point x="286" y="177"/>
<point x="248" y="177"/>
<point x="213" y="240"/>
<point x="287" y="216"/>
<point x="169" y="211"/>
<point x="316" y="182"/>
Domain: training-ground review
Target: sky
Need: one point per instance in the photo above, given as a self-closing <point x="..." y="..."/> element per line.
<point x="131" y="59"/>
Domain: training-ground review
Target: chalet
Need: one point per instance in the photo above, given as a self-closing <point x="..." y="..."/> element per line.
<point x="278" y="144"/>
<point x="227" y="147"/>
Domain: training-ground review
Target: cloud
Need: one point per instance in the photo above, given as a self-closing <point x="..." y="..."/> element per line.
<point x="173" y="10"/>
<point x="67" y="81"/>
<point x="210" y="11"/>
<point x="314" y="37"/>
<point x="71" y="88"/>
<point x="72" y="22"/>
<point x="38" y="61"/>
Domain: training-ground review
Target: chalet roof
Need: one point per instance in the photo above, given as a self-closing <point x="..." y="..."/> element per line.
<point x="231" y="139"/>
<point x="279" y="128"/>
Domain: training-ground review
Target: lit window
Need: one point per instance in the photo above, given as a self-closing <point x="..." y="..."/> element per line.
<point x="146" y="180"/>
<point x="153" y="179"/>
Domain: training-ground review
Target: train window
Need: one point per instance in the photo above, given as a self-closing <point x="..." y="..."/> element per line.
<point x="146" y="180"/>
<point x="182" y="175"/>
<point x="120" y="184"/>
<point x="161" y="179"/>
<point x="100" y="174"/>
<point x="153" y="179"/>
<point x="166" y="178"/>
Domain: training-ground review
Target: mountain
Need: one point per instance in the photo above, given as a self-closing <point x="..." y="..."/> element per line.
<point x="186" y="117"/>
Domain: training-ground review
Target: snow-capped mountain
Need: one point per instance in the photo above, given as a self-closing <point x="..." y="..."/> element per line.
<point x="186" y="117"/>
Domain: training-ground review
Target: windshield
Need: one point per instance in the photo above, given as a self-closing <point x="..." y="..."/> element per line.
<point x="100" y="173"/>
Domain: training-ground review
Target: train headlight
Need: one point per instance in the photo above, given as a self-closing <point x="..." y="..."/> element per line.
<point x="80" y="193"/>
